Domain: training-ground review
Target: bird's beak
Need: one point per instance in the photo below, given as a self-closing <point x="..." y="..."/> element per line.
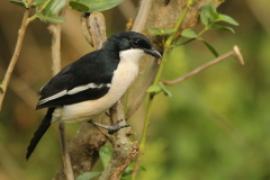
<point x="153" y="52"/>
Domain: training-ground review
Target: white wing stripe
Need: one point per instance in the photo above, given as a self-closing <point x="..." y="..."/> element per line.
<point x="74" y="91"/>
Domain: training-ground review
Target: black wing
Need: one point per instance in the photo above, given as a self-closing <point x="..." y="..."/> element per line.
<point x="88" y="78"/>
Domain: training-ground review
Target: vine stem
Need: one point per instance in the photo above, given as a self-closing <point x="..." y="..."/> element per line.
<point x="26" y="20"/>
<point x="150" y="97"/>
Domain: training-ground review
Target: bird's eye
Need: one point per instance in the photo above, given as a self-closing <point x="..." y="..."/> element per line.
<point x="136" y="42"/>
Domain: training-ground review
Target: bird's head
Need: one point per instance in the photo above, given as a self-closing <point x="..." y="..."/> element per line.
<point x="132" y="44"/>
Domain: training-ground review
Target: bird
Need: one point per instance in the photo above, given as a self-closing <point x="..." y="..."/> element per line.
<point x="92" y="84"/>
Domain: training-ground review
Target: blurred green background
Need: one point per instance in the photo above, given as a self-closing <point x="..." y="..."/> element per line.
<point x="215" y="127"/>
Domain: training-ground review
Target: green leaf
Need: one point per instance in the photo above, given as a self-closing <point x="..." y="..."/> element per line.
<point x="79" y="6"/>
<point x="161" y="32"/>
<point x="50" y="19"/>
<point x="211" y="48"/>
<point x="189" y="33"/>
<point x="54" y="7"/>
<point x="156" y="89"/>
<point x="208" y="15"/>
<point x="39" y="2"/>
<point x="222" y="27"/>
<point x="88" y="175"/>
<point x="105" y="154"/>
<point x="227" y="19"/>
<point x="94" y="5"/>
<point x="165" y="90"/>
<point x="21" y="3"/>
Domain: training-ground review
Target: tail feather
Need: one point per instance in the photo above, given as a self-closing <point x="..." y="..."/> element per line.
<point x="43" y="127"/>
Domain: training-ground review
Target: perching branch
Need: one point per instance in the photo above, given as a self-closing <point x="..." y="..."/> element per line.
<point x="124" y="150"/>
<point x="84" y="147"/>
<point x="55" y="30"/>
<point x="15" y="56"/>
<point x="234" y="52"/>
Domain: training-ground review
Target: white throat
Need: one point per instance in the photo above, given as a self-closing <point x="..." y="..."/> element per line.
<point x="132" y="55"/>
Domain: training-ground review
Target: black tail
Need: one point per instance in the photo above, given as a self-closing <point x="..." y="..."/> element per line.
<point x="45" y="124"/>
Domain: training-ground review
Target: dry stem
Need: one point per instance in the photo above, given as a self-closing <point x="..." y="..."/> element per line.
<point x="55" y="29"/>
<point x="234" y="52"/>
<point x="15" y="56"/>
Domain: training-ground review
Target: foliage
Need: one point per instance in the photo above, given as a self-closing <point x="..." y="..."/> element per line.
<point x="216" y="126"/>
<point x="48" y="10"/>
<point x="94" y="5"/>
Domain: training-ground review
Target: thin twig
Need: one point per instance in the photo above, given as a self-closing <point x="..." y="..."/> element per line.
<point x="150" y="97"/>
<point x="23" y="90"/>
<point x="234" y="52"/>
<point x="55" y="29"/>
<point x="15" y="56"/>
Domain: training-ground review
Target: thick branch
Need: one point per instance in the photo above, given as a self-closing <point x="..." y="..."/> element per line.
<point x="124" y="150"/>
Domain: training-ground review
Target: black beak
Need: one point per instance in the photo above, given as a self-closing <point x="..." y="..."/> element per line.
<point x="153" y="52"/>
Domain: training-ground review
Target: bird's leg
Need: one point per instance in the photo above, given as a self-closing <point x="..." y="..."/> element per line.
<point x="111" y="128"/>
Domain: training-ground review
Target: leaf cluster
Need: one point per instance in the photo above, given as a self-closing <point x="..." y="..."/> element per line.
<point x="49" y="10"/>
<point x="210" y="19"/>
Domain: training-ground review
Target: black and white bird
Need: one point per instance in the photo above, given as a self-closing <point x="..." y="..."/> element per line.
<point x="92" y="84"/>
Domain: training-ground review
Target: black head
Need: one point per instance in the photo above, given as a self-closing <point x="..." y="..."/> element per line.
<point x="132" y="40"/>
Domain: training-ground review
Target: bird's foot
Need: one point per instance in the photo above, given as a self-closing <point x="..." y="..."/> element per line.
<point x="111" y="128"/>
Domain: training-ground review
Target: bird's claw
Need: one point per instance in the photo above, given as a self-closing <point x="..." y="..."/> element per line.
<point x="111" y="128"/>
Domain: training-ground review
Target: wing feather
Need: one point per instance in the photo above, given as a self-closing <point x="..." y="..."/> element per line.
<point x="88" y="78"/>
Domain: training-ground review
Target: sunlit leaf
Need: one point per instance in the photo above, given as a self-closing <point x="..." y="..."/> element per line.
<point x="88" y="176"/>
<point x="161" y="32"/>
<point x="227" y="19"/>
<point x="211" y="48"/>
<point x="94" y="5"/>
<point x="189" y="33"/>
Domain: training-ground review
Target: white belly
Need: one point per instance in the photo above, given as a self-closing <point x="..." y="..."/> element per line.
<point x="125" y="74"/>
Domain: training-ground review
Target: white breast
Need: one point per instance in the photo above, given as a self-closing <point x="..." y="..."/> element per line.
<point x="124" y="75"/>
